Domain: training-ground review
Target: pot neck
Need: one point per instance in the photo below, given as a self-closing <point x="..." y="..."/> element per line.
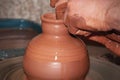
<point x="52" y="26"/>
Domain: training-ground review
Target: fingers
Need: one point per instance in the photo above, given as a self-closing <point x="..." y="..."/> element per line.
<point x="77" y="22"/>
<point x="110" y="44"/>
<point x="53" y="2"/>
<point x="77" y="26"/>
<point x="83" y="33"/>
<point x="114" y="37"/>
<point x="113" y="46"/>
<point x="60" y="9"/>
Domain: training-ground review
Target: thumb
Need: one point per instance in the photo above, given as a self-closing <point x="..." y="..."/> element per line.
<point x="53" y="2"/>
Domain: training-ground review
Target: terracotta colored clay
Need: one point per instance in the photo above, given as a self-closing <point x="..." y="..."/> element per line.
<point x="95" y="17"/>
<point x="53" y="2"/>
<point x="114" y="37"/>
<point x="60" y="11"/>
<point x="111" y="44"/>
<point x="55" y="54"/>
<point x="60" y="7"/>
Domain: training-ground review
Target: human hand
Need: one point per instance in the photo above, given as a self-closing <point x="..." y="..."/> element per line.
<point x="89" y="15"/>
<point x="110" y="41"/>
<point x="84" y="17"/>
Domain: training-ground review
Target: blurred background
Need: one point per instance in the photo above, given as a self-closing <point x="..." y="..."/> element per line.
<point x="19" y="23"/>
<point x="25" y="9"/>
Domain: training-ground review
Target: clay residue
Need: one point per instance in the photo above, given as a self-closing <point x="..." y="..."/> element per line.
<point x="111" y="44"/>
<point x="112" y="17"/>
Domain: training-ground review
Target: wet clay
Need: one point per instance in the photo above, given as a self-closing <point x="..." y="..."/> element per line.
<point x="53" y="2"/>
<point x="111" y="43"/>
<point x="60" y="7"/>
<point x="114" y="37"/>
<point x="55" y="54"/>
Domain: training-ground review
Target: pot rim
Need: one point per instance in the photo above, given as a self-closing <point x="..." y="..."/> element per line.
<point x="50" y="17"/>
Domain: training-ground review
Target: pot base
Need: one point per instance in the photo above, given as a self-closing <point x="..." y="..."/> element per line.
<point x="11" y="69"/>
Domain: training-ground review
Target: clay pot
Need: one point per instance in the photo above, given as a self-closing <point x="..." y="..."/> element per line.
<point x="55" y="54"/>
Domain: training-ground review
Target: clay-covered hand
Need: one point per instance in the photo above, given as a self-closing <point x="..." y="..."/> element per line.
<point x="110" y="41"/>
<point x="83" y="17"/>
<point x="91" y="15"/>
<point x="60" y="7"/>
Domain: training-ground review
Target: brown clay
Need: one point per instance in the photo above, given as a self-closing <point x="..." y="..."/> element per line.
<point x="54" y="54"/>
<point x="60" y="7"/>
<point x="53" y="2"/>
<point x="76" y="23"/>
<point x="114" y="37"/>
<point x="60" y="10"/>
<point x="112" y="45"/>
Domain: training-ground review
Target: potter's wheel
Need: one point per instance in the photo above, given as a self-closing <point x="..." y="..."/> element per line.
<point x="11" y="69"/>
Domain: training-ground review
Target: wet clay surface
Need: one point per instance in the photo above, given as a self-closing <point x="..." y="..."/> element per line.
<point x="110" y="41"/>
<point x="56" y="51"/>
<point x="12" y="69"/>
<point x="60" y="7"/>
